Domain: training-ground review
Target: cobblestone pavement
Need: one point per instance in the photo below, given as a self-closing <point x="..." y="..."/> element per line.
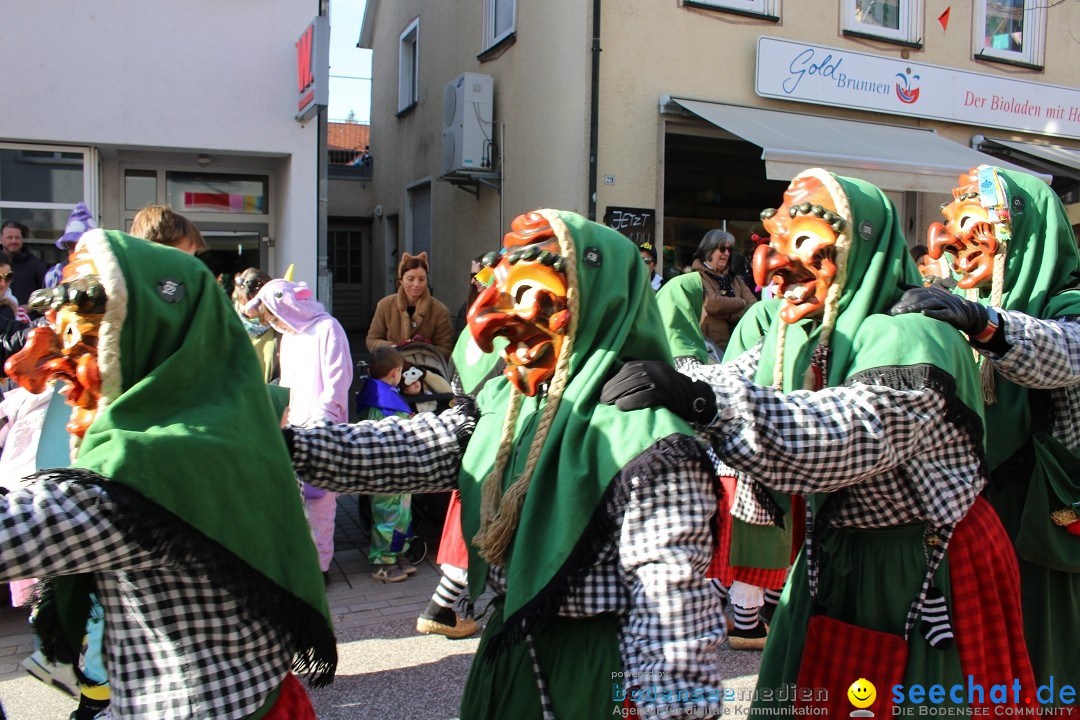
<point x="386" y="669"/>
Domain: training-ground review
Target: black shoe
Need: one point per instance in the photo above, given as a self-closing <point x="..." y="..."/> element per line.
<point x="752" y="639"/>
<point x="88" y="709"/>
<point x="326" y="578"/>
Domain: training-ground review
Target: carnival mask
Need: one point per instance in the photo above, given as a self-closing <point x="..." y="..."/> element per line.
<point x="67" y="348"/>
<point x="968" y="234"/>
<point x="801" y="253"/>
<point x="525" y="303"/>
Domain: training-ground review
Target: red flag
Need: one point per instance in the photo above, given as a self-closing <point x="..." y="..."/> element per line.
<point x="943" y="18"/>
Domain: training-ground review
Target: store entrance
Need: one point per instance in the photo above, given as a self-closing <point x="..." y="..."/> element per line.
<point x="709" y="183"/>
<point x="231" y="249"/>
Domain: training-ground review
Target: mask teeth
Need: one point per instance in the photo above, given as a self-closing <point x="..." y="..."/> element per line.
<point x="796" y="294"/>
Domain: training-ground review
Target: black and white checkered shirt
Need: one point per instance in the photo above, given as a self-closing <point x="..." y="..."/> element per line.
<point x="177" y="646"/>
<point x="893" y="451"/>
<point x="1045" y="354"/>
<point x="651" y="574"/>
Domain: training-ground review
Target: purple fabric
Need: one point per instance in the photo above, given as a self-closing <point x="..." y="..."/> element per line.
<point x="316" y="364"/>
<point x="384" y="397"/>
<point x="78" y="222"/>
<point x="311" y="492"/>
<point x="292" y="303"/>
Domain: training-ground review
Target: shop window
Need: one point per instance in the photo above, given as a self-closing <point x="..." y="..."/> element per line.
<point x="140" y="189"/>
<point x="39" y="187"/>
<point x="765" y="8"/>
<point x="500" y="21"/>
<point x="234" y="194"/>
<point x="409" y="67"/>
<point x="1011" y="31"/>
<point x="894" y="20"/>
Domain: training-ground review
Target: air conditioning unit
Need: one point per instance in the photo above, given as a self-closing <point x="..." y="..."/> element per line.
<point x="467" y="123"/>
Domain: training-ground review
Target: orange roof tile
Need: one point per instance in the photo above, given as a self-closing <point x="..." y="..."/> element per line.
<point x="347" y="136"/>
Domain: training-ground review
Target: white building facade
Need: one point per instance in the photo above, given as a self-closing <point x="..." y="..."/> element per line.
<point x="193" y="104"/>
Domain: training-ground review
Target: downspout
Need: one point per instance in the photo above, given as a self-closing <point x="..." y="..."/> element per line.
<point x="323" y="280"/>
<point x="594" y="110"/>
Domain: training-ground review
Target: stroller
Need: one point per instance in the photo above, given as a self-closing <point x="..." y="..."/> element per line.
<point x="437" y="392"/>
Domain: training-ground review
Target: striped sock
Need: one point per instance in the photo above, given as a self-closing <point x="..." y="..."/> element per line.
<point x="448" y="592"/>
<point x="720" y="590"/>
<point x="935" y="624"/>
<point x="745" y="618"/>
<point x="772" y="599"/>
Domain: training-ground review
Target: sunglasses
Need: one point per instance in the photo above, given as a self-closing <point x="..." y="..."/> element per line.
<point x="647" y="260"/>
<point x="7" y="277"/>
<point x="724" y="248"/>
<point x="252" y="287"/>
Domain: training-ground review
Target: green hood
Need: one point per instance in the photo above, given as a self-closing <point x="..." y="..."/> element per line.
<point x="191" y="449"/>
<point x="1042" y="270"/>
<point x="588" y="442"/>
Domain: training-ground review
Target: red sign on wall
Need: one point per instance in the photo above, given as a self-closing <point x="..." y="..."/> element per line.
<point x="313" y="68"/>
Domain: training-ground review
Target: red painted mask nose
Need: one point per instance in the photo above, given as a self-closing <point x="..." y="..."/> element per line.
<point x="766" y="262"/>
<point x="39" y="361"/>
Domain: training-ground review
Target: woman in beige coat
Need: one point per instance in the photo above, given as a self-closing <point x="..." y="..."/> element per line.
<point x="411" y="313"/>
<point x="726" y="294"/>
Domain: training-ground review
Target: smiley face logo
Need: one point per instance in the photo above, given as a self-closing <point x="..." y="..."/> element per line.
<point x="862" y="693"/>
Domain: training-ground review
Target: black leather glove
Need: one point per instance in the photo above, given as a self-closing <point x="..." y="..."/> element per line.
<point x="652" y="383"/>
<point x="466" y="405"/>
<point x="964" y="315"/>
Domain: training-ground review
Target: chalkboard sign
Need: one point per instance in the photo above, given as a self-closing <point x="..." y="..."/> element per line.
<point x="638" y="224"/>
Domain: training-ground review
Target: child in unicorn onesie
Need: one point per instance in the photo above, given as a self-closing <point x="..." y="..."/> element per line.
<point x="317" y="367"/>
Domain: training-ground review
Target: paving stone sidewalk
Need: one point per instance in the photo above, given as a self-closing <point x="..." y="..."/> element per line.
<point x="386" y="670"/>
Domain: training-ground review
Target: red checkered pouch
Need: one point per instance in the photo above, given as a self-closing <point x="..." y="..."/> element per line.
<point x="836" y="654"/>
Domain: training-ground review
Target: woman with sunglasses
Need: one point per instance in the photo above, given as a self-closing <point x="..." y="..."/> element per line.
<point x="727" y="295"/>
<point x="9" y="306"/>
<point x="246" y="286"/>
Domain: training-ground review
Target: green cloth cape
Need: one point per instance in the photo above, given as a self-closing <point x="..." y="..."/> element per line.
<point x="681" y="300"/>
<point x="191" y="449"/>
<point x="589" y="442"/>
<point x="1042" y="269"/>
<point x="472" y="365"/>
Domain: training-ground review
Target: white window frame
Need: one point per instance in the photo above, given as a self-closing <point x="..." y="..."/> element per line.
<point x="91" y="178"/>
<point x="491" y="39"/>
<point x="1034" y="35"/>
<point x="770" y="8"/>
<point x="409" y="66"/>
<point x="910" y="30"/>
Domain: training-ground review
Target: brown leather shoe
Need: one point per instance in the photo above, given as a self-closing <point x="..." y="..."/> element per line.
<point x="462" y="627"/>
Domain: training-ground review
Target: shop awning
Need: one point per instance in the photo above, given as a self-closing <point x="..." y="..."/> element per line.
<point x="1053" y="159"/>
<point x="891" y="157"/>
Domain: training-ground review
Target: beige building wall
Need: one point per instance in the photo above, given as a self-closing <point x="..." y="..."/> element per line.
<point x="649" y="49"/>
<point x="541" y="124"/>
<point x="652" y="49"/>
